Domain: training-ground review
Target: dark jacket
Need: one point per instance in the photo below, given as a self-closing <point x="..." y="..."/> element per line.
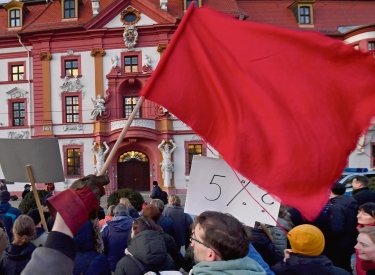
<point x="15" y="258"/>
<point x="299" y="264"/>
<point x="87" y="258"/>
<point x="341" y="232"/>
<point x="115" y="235"/>
<point x="24" y="193"/>
<point x="149" y="248"/>
<point x="363" y="195"/>
<point x="263" y="245"/>
<point x="181" y="222"/>
<point x="172" y="250"/>
<point x="167" y="225"/>
<point x="8" y="215"/>
<point x="155" y="193"/>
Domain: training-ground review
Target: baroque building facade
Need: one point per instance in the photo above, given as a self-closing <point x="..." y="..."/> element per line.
<point x="73" y="69"/>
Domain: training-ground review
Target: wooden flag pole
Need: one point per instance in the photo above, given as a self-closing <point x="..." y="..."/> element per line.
<point x="122" y="135"/>
<point x="36" y="196"/>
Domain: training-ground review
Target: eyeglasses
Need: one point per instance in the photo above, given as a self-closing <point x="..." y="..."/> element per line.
<point x="198" y="241"/>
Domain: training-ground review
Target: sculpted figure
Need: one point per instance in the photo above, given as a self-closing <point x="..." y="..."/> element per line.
<point x="167" y="164"/>
<point x="114" y="61"/>
<point x="99" y="107"/>
<point x="130" y="37"/>
<point x="100" y="156"/>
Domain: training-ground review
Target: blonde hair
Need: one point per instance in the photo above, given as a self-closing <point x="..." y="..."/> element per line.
<point x="370" y="231"/>
<point x="110" y="211"/>
<point x="23" y="230"/>
<point x="126" y="202"/>
<point x="175" y="200"/>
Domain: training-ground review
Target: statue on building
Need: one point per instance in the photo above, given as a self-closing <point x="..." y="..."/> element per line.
<point x="100" y="156"/>
<point x="146" y="66"/>
<point x="99" y="107"/>
<point x="114" y="62"/>
<point x="167" y="165"/>
<point x="130" y="36"/>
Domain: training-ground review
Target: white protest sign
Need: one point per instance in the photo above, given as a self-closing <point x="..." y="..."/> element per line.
<point x="214" y="186"/>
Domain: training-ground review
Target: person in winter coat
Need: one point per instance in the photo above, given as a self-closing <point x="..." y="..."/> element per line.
<point x="340" y="227"/>
<point x="156" y="191"/>
<point x="181" y="221"/>
<point x="41" y="234"/>
<point x="89" y="259"/>
<point x="361" y="192"/>
<point x="132" y="211"/>
<point x="366" y="218"/>
<point x="165" y="222"/>
<point x="146" y="251"/>
<point x="8" y="214"/>
<point x="109" y="217"/>
<point x="18" y="254"/>
<point x="366" y="249"/>
<point x="115" y="235"/>
<point x="305" y="258"/>
<point x="152" y="212"/>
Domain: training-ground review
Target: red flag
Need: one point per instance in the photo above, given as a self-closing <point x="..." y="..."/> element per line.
<point x="284" y="108"/>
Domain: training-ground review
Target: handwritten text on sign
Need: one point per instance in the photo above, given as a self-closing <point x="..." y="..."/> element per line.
<point x="214" y="186"/>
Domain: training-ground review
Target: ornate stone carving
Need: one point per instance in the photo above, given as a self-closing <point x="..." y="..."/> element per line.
<point x="146" y="63"/>
<point x="17" y="93"/>
<point x="70" y="52"/>
<point x="167" y="165"/>
<point x="77" y="127"/>
<point x="161" y="112"/>
<point x="115" y="62"/>
<point x="130" y="10"/>
<point x="99" y="107"/>
<point x="72" y="86"/>
<point x="97" y="52"/>
<point x="73" y="142"/>
<point x="119" y="124"/>
<point x="161" y="48"/>
<point x="22" y="135"/>
<point x="100" y="156"/>
<point x="130" y="37"/>
<point x="45" y="56"/>
<point x="47" y="128"/>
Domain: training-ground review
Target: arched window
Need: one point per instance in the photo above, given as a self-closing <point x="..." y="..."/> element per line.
<point x="133" y="155"/>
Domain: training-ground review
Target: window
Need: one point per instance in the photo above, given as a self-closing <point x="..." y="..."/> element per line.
<point x="186" y="3"/>
<point x="18" y="113"/>
<point x="371" y="46"/>
<point x="73" y="162"/>
<point x="304" y="15"/>
<point x="131" y="64"/>
<point x="129" y="104"/>
<point x="71" y="108"/>
<point x="193" y="148"/>
<point x="15" y="18"/>
<point x="69" y="9"/>
<point x="18" y="72"/>
<point x="71" y="67"/>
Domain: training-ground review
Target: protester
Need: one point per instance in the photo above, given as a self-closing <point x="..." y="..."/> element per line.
<point x="305" y="258"/>
<point x="221" y="244"/>
<point x="89" y="259"/>
<point x="4" y="241"/>
<point x="40" y="233"/>
<point x="340" y="227"/>
<point x="366" y="249"/>
<point x="262" y="240"/>
<point x="115" y="235"/>
<point x="146" y="251"/>
<point x="18" y="254"/>
<point x="132" y="211"/>
<point x="181" y="221"/>
<point x="165" y="222"/>
<point x="109" y="217"/>
<point x="8" y="214"/>
<point x="152" y="212"/>
<point x="26" y="190"/>
<point x="156" y="190"/>
<point x="58" y="254"/>
<point x="361" y="191"/>
<point x="143" y="207"/>
<point x="366" y="218"/>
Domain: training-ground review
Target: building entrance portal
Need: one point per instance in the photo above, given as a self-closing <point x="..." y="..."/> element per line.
<point x="133" y="171"/>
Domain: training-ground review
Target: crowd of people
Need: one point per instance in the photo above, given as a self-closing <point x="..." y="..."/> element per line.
<point x="340" y="241"/>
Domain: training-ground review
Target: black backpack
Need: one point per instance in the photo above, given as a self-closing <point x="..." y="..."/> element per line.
<point x="163" y="196"/>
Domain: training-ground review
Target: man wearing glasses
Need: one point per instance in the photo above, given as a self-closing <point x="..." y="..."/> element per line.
<point x="221" y="243"/>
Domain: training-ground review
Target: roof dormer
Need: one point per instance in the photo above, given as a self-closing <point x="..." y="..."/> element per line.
<point x="69" y="9"/>
<point x="303" y="12"/>
<point x="186" y="3"/>
<point x="16" y="11"/>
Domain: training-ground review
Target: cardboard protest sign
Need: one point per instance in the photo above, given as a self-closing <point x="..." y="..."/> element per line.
<point x="214" y="186"/>
<point x="43" y="155"/>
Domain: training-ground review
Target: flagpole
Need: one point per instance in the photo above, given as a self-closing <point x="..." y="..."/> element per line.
<point x="122" y="135"/>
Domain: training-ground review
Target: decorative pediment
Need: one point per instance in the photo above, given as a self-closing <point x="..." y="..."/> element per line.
<point x="73" y="142"/>
<point x="70" y="53"/>
<point x="17" y="93"/>
<point x="72" y="85"/>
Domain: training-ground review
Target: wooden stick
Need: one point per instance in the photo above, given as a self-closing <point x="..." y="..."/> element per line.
<point x="36" y="196"/>
<point x="122" y="135"/>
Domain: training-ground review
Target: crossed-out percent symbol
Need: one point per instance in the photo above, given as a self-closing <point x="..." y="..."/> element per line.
<point x="243" y="187"/>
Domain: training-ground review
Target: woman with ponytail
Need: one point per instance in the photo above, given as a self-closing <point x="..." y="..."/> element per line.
<point x="18" y="254"/>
